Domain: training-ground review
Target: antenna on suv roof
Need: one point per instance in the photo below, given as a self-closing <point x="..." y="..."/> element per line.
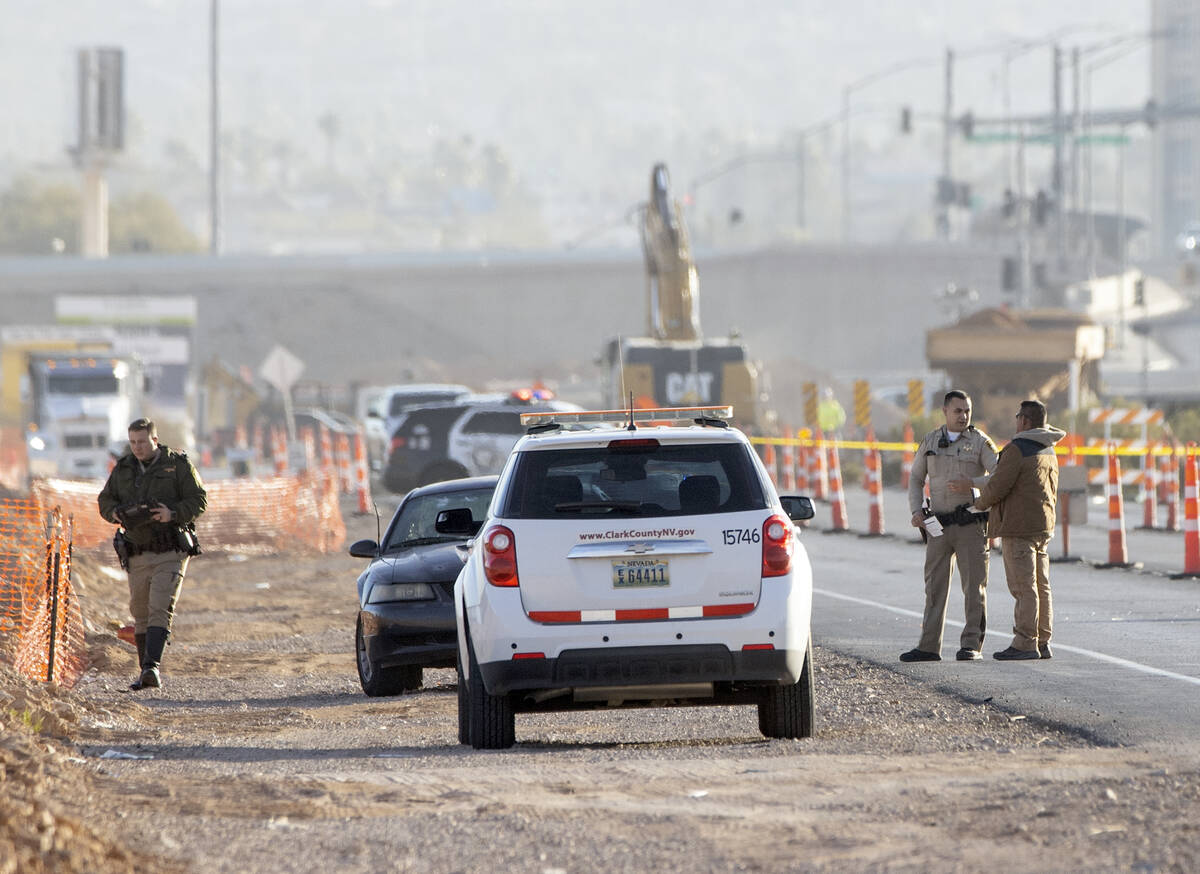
<point x="631" y="426"/>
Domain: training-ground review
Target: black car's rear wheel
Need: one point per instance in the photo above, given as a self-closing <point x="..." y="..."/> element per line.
<point x="491" y="721"/>
<point x="379" y="682"/>
<point x="787" y="711"/>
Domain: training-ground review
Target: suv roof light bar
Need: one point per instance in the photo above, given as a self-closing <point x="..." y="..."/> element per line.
<point x="621" y="417"/>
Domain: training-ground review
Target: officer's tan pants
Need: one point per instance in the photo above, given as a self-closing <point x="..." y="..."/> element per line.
<point x="154" y="582"/>
<point x="967" y="547"/>
<point x="1027" y="567"/>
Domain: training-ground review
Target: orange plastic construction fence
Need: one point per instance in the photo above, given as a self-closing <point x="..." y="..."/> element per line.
<point x="41" y="626"/>
<point x="296" y="513"/>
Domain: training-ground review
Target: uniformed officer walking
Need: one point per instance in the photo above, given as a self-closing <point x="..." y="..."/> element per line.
<point x="949" y="456"/>
<point x="154" y="494"/>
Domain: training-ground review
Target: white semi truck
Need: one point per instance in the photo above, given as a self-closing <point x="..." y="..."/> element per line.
<point x="79" y="409"/>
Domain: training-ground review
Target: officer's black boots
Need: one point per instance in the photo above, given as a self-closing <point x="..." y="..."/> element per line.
<point x="156" y="640"/>
<point x="140" y="640"/>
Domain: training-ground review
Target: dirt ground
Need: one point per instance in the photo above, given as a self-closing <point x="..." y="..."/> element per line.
<point x="262" y="754"/>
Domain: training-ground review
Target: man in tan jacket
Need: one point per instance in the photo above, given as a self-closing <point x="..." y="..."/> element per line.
<point x="1020" y="496"/>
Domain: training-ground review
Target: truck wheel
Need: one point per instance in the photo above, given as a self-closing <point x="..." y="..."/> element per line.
<point x="380" y="682"/>
<point x="787" y="711"/>
<point x="491" y="722"/>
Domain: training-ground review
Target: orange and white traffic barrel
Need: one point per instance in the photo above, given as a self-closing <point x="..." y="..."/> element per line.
<point x="818" y="474"/>
<point x="769" y="461"/>
<point x="1171" y="486"/>
<point x="345" y="473"/>
<point x="906" y="460"/>
<point x="837" y="497"/>
<point x="1191" y="512"/>
<point x="1118" y="555"/>
<point x="789" y="461"/>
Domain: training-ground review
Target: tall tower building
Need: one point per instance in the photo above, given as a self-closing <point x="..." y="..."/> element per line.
<point x="1175" y="80"/>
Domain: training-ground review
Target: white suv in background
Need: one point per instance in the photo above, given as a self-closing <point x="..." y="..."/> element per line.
<point x="639" y="564"/>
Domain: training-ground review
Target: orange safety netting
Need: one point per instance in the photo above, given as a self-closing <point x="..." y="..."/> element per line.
<point x="41" y="626"/>
<point x="293" y="513"/>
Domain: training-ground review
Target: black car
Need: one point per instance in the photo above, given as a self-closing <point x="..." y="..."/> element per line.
<point x="406" y="608"/>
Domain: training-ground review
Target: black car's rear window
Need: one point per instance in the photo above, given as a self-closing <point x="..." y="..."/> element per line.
<point x="660" y="480"/>
<point x="413" y="524"/>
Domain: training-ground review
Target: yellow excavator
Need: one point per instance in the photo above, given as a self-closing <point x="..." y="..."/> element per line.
<point x="673" y="365"/>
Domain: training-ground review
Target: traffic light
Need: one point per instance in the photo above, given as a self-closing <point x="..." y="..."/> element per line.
<point x="916" y="399"/>
<point x="1041" y="207"/>
<point x="1008" y="274"/>
<point x="862" y="403"/>
<point x="1139" y="291"/>
<point x="809" y="390"/>
<point x="906" y="119"/>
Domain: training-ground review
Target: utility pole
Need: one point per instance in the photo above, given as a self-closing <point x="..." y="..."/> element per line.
<point x="947" y="137"/>
<point x="214" y="145"/>
<point x="1056" y="178"/>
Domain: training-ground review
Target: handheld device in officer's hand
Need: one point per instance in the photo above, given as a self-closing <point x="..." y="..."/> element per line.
<point x="132" y="515"/>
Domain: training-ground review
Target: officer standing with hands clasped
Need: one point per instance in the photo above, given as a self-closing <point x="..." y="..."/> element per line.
<point x="155" y="494"/>
<point x="956" y="458"/>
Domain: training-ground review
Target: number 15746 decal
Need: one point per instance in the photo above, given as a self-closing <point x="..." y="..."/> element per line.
<point x="734" y="536"/>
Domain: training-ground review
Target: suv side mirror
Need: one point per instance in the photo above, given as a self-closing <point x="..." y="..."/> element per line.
<point x="797" y="507"/>
<point x="458" y="522"/>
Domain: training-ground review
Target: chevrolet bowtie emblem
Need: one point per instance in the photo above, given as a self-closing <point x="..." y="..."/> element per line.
<point x="639" y="548"/>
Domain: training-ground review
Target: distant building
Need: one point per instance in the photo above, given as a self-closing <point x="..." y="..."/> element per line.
<point x="1175" y="80"/>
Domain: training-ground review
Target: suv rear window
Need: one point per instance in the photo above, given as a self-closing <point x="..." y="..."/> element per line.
<point x="400" y="400"/>
<point x="490" y="422"/>
<point x="661" y="480"/>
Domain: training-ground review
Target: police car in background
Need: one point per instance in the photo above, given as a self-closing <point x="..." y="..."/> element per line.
<point x="634" y="563"/>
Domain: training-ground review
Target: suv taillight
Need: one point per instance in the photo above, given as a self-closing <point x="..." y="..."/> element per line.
<point x="500" y="556"/>
<point x="397" y="443"/>
<point x="776" y="546"/>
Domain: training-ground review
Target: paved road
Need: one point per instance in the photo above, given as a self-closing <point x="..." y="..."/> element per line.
<point x="1126" y="642"/>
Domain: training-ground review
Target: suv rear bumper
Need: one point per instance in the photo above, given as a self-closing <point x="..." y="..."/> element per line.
<point x="645" y="666"/>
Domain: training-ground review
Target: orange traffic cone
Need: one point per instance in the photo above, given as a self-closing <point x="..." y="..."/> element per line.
<point x="837" y="497"/>
<point x="279" y="449"/>
<point x="1118" y="555"/>
<point x="1149" y="489"/>
<point x="874" y="487"/>
<point x="1171" y="482"/>
<point x="362" y="474"/>
<point x="1191" y="514"/>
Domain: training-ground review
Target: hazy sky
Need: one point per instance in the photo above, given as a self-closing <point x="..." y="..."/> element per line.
<point x="508" y="69"/>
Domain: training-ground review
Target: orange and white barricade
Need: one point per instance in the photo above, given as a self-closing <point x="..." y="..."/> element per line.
<point x="1118" y="554"/>
<point x="837" y="497"/>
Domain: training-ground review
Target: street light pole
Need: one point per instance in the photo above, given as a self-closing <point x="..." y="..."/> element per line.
<point x="214" y="144"/>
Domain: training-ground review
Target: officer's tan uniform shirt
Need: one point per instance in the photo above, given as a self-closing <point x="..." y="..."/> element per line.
<point x="972" y="455"/>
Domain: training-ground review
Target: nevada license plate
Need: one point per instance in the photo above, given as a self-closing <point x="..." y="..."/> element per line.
<point x="636" y="572"/>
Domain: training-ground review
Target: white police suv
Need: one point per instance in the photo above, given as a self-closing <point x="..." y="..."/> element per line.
<point x="634" y="563"/>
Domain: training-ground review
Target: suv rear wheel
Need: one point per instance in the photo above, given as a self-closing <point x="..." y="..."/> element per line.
<point x="491" y="722"/>
<point x="787" y="711"/>
<point x="380" y="682"/>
